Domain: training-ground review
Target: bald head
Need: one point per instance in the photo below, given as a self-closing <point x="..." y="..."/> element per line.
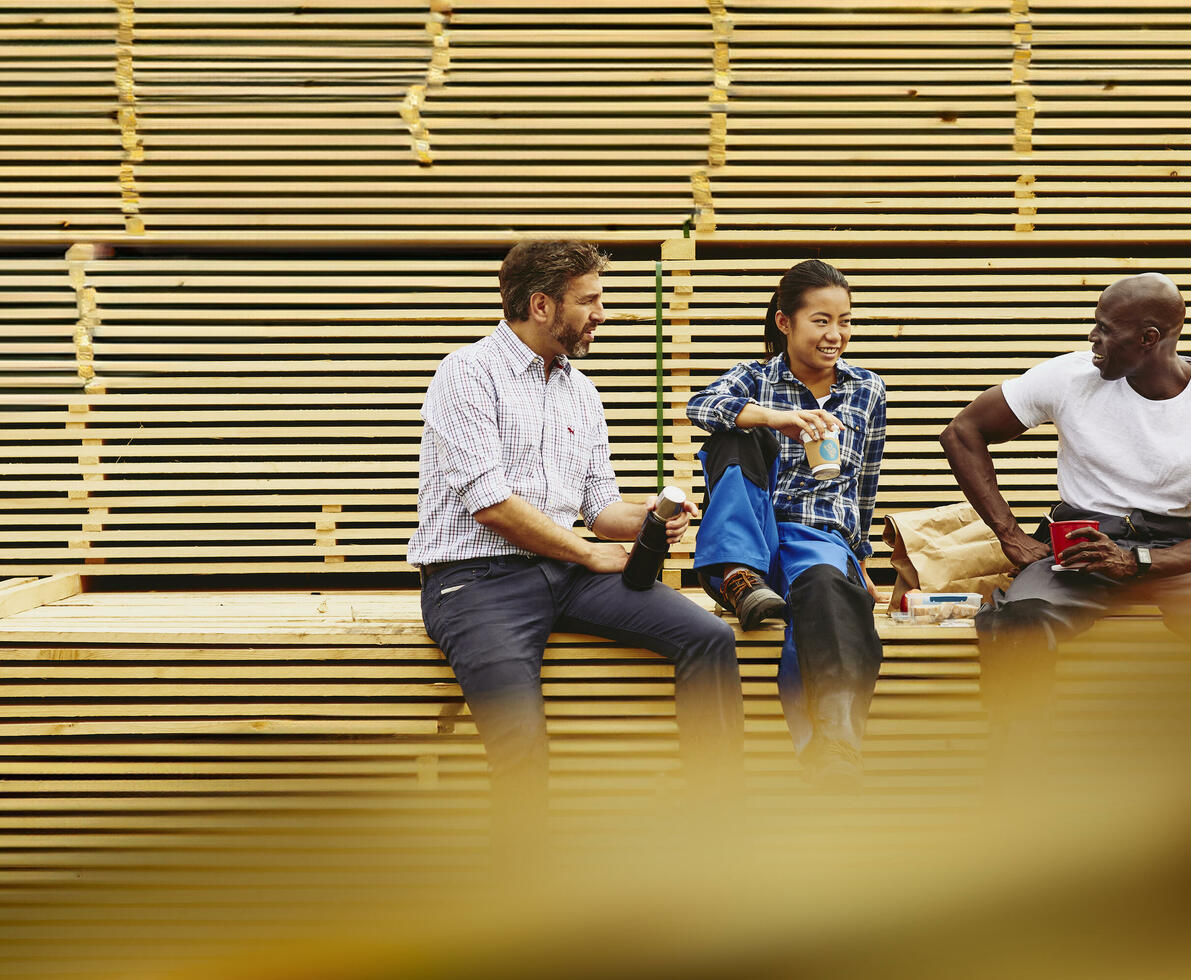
<point x="1151" y="299"/>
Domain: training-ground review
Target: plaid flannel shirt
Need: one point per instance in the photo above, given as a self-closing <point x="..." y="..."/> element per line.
<point x="497" y="426"/>
<point x="857" y="399"/>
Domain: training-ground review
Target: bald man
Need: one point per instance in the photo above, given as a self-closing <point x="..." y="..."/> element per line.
<point x="1123" y="414"/>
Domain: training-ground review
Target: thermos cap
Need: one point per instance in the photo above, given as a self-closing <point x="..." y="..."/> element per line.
<point x="670" y="501"/>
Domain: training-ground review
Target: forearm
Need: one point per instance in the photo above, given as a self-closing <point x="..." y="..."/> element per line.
<point x="619" y="521"/>
<point x="1175" y="560"/>
<point x="756" y="416"/>
<point x="869" y="585"/>
<point x="523" y="525"/>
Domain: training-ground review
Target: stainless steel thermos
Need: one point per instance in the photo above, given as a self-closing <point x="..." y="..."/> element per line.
<point x="650" y="549"/>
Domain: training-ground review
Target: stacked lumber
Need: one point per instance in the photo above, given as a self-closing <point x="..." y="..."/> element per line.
<point x="191" y="413"/>
<point x="183" y="700"/>
<point x="445" y="122"/>
<point x="204" y="414"/>
<point x="415" y="120"/>
<point x="1020" y="123"/>
<point x="139" y="732"/>
<point x="939" y="330"/>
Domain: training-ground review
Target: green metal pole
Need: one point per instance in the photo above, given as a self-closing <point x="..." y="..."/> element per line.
<point x="661" y="411"/>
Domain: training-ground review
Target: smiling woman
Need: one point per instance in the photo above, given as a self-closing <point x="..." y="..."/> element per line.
<point x="778" y="542"/>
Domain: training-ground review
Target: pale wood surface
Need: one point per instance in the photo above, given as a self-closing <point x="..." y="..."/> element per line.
<point x="262" y="414"/>
<point x="188" y="779"/>
<point x="136" y="711"/>
<point x="472" y="122"/>
<point x="195" y="776"/>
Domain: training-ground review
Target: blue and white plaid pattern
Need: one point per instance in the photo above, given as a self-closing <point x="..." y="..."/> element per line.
<point x="857" y="399"/>
<point x="496" y="426"/>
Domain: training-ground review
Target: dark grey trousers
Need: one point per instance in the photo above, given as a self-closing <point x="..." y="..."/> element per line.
<point x="1020" y="630"/>
<point x="492" y="617"/>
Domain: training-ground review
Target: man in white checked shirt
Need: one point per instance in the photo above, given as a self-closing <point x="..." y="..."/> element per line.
<point x="515" y="447"/>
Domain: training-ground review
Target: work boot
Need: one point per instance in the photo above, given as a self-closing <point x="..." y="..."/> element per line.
<point x="833" y="765"/>
<point x="745" y="593"/>
<point x="831" y="760"/>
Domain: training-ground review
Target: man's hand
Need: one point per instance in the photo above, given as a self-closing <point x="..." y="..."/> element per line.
<point x="1096" y="552"/>
<point x="677" y="525"/>
<point x="606" y="556"/>
<point x="1023" y="550"/>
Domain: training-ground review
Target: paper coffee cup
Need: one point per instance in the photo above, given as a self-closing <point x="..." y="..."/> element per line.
<point x="822" y="455"/>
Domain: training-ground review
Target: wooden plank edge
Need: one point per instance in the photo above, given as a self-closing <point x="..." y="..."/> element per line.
<point x="28" y="593"/>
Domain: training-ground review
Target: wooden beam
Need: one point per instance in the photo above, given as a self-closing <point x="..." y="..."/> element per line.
<point x="29" y="593"/>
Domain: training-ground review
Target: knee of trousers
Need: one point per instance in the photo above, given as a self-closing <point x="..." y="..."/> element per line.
<point x="827" y="585"/>
<point x="832" y="617"/>
<point x="719" y="640"/>
<point x="709" y="654"/>
<point x="1020" y="622"/>
<point x="753" y="450"/>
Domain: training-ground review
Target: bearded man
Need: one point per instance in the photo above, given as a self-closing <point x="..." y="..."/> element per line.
<point x="515" y="446"/>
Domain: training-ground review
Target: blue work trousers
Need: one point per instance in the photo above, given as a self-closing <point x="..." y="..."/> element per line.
<point x="831" y="653"/>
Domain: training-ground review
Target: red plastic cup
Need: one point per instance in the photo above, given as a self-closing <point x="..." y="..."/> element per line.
<point x="1060" y="535"/>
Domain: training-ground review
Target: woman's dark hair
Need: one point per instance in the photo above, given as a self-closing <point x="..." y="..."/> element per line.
<point x="795" y="284"/>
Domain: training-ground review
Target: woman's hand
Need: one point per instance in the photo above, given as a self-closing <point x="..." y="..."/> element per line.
<point x="868" y="582"/>
<point x="793" y="422"/>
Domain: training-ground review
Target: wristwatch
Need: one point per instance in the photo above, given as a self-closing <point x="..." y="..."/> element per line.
<point x="1142" y="556"/>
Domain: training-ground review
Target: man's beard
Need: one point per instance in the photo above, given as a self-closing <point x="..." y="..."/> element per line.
<point x="571" y="339"/>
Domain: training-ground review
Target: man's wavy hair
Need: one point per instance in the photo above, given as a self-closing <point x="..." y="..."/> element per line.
<point x="544" y="266"/>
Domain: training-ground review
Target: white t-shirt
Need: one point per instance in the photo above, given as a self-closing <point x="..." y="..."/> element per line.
<point x="1117" y="450"/>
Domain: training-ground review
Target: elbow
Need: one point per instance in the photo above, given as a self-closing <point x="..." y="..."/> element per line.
<point x="962" y="440"/>
<point x="948" y="437"/>
<point x="493" y="517"/>
<point x="952" y="437"/>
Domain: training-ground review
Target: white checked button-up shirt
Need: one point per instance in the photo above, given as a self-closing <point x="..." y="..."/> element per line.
<point x="496" y="426"/>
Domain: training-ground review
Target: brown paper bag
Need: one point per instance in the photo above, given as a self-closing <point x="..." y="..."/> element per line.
<point x="945" y="549"/>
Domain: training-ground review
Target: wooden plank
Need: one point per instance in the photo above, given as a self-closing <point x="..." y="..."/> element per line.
<point x="30" y="594"/>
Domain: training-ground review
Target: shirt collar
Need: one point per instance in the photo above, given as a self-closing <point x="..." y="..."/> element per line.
<point x="777" y="369"/>
<point x="517" y="353"/>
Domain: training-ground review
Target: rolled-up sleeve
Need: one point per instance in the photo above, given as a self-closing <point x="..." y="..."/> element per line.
<point x="715" y="407"/>
<point x="460" y="414"/>
<point x="599" y="488"/>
